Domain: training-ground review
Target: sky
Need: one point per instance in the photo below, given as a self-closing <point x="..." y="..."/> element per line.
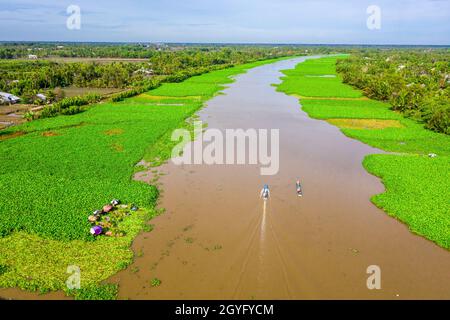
<point x="229" y="21"/>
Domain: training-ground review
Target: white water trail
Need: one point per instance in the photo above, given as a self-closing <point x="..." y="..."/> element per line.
<point x="263" y="223"/>
<point x="262" y="237"/>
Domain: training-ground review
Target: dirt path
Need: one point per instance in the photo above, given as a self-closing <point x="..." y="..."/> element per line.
<point x="217" y="241"/>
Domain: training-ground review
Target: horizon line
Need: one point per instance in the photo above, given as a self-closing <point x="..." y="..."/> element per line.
<point x="226" y="43"/>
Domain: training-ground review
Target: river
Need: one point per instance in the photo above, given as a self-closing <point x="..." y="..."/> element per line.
<point x="217" y="241"/>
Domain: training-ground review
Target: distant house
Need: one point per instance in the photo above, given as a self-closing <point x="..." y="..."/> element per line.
<point x="32" y="56"/>
<point x="145" y="72"/>
<point x="59" y="47"/>
<point x="8" y="98"/>
<point x="41" y="97"/>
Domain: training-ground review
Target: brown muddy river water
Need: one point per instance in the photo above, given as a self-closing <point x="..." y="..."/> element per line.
<point x="216" y="241"/>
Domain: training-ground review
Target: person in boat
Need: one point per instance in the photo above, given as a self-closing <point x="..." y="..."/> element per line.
<point x="265" y="193"/>
<point x="298" y="187"/>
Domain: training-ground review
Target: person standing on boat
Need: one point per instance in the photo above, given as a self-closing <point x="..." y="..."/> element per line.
<point x="265" y="193"/>
<point x="298" y="187"/>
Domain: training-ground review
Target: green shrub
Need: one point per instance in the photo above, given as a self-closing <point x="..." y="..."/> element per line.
<point x="3" y="269"/>
<point x="69" y="106"/>
<point x="436" y="114"/>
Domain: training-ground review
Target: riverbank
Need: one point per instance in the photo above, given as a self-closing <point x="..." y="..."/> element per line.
<point x="416" y="176"/>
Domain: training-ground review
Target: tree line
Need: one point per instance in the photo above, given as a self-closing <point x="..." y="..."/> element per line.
<point x="415" y="82"/>
<point x="25" y="78"/>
